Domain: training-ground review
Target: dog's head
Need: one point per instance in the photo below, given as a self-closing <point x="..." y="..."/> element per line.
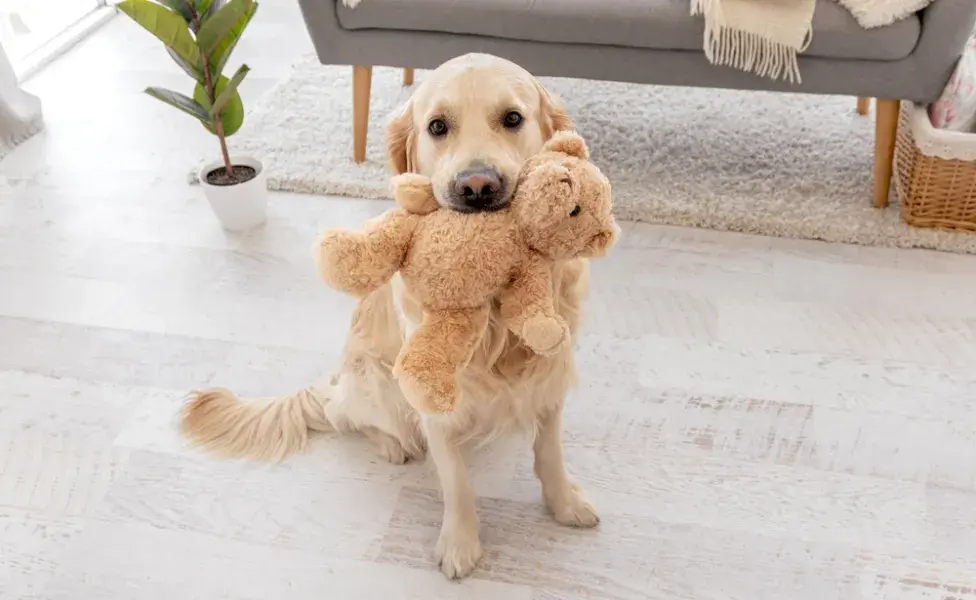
<point x="469" y="127"/>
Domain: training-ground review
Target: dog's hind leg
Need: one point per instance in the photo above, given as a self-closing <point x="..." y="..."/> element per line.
<point x="364" y="396"/>
<point x="387" y="446"/>
<point x="367" y="399"/>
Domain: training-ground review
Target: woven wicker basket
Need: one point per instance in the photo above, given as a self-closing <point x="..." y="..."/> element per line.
<point x="935" y="173"/>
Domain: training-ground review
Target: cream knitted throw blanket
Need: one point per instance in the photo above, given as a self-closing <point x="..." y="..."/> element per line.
<point x="761" y="36"/>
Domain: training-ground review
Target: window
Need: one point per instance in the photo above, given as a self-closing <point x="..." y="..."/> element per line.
<point x="27" y="25"/>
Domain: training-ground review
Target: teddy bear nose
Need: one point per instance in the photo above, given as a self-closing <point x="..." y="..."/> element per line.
<point x="478" y="187"/>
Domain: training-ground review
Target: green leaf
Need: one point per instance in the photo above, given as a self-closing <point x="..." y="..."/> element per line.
<point x="231" y="116"/>
<point x="202" y="7"/>
<point x="187" y="68"/>
<point x="181" y="102"/>
<point x="218" y="58"/>
<point x="180" y="7"/>
<point x="215" y="29"/>
<point x="229" y="91"/>
<point x="168" y="26"/>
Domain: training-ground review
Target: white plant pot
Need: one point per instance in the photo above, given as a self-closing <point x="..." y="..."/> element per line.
<point x="241" y="206"/>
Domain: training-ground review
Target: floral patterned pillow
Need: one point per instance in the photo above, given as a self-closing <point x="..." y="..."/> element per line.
<point x="955" y="110"/>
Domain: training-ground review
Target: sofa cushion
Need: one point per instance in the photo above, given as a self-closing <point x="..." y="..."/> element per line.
<point x="657" y="24"/>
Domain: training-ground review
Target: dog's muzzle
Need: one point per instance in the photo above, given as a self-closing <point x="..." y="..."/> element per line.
<point x="479" y="188"/>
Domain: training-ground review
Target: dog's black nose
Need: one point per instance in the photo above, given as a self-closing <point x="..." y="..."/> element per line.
<point x="479" y="187"/>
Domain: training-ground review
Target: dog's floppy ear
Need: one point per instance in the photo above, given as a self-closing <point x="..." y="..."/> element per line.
<point x="401" y="150"/>
<point x="568" y="142"/>
<point x="552" y="115"/>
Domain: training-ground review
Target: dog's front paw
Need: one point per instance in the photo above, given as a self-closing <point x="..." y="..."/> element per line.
<point x="458" y="551"/>
<point x="571" y="508"/>
<point x="545" y="335"/>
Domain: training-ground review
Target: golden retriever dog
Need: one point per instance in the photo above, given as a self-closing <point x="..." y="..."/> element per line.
<point x="468" y="126"/>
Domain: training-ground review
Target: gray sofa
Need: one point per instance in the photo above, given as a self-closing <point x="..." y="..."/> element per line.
<point x="642" y="41"/>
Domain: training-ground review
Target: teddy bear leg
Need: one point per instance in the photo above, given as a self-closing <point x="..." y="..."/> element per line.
<point x="545" y="334"/>
<point x="428" y="364"/>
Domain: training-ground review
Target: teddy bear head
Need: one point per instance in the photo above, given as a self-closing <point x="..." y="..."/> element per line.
<point x="563" y="202"/>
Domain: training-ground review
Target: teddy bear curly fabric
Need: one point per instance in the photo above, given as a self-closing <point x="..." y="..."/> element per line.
<point x="454" y="264"/>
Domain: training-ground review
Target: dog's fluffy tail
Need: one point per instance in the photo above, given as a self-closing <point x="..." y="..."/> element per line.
<point x="266" y="429"/>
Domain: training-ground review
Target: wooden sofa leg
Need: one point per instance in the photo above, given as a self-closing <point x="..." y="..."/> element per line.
<point x="886" y="126"/>
<point x="863" y="106"/>
<point x="362" y="79"/>
<point x="408" y="76"/>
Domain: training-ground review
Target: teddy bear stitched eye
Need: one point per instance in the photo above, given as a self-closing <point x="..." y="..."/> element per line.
<point x="575" y="211"/>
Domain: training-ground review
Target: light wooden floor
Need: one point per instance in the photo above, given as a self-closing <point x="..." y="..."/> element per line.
<point x="757" y="418"/>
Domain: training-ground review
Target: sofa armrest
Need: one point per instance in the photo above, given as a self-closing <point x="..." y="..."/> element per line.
<point x="322" y="24"/>
<point x="946" y="25"/>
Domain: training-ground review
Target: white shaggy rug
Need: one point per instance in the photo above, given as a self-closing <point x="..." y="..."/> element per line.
<point x="776" y="164"/>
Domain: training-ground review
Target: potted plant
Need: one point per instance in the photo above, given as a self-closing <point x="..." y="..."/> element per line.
<point x="200" y="36"/>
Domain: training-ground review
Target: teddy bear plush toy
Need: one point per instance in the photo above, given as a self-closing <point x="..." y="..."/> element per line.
<point x="455" y="264"/>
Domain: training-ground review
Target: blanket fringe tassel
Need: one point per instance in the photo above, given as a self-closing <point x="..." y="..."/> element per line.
<point x="751" y="52"/>
<point x="745" y="50"/>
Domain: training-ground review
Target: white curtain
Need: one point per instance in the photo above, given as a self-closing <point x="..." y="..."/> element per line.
<point x="20" y="112"/>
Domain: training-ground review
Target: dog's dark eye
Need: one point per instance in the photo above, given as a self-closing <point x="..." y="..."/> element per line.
<point x="575" y="211"/>
<point x="512" y="119"/>
<point x="437" y="127"/>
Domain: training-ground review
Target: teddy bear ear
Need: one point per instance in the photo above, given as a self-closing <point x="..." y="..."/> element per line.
<point x="568" y="142"/>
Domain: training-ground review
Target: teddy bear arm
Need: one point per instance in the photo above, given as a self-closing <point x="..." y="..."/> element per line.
<point x="528" y="294"/>
<point x="360" y="261"/>
<point x="527" y="307"/>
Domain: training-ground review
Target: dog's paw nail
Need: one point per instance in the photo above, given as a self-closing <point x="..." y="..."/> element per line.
<point x="458" y="553"/>
<point x="573" y="510"/>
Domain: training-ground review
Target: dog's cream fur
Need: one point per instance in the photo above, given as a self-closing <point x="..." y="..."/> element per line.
<point x="505" y="386"/>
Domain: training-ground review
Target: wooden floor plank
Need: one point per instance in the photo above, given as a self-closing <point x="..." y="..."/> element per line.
<point x="625" y="557"/>
<point x="60" y="474"/>
<point x="155" y="360"/>
<point x="125" y="561"/>
<point x="292" y="508"/>
<point x="846" y="381"/>
<point x="31" y="546"/>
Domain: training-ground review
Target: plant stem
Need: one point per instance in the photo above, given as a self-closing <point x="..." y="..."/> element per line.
<point x="212" y="95"/>
<point x="223" y="147"/>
